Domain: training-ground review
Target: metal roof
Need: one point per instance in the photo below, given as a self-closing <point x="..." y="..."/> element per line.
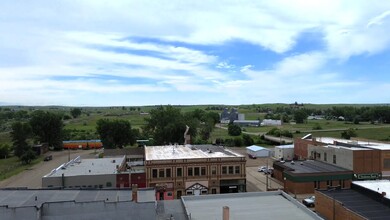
<point x="26" y="197"/>
<point x="256" y="148"/>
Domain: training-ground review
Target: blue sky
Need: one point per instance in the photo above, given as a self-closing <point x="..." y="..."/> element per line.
<point x="121" y="53"/>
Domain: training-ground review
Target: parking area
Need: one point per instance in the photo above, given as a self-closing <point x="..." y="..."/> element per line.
<point x="257" y="181"/>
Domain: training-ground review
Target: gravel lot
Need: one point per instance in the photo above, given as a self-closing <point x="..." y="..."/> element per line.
<point x="32" y="177"/>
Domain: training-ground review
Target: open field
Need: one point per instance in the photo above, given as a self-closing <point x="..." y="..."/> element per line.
<point x="85" y="125"/>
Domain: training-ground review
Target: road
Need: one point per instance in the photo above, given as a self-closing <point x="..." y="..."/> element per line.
<point x="32" y="177"/>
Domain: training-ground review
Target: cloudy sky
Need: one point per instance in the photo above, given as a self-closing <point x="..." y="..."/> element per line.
<point x="105" y="53"/>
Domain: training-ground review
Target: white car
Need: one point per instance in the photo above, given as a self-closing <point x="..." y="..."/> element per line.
<point x="309" y="201"/>
<point x="262" y="169"/>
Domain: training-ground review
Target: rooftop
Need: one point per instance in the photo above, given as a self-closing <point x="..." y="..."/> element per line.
<point x="311" y="166"/>
<point x="360" y="203"/>
<point x="285" y="146"/>
<point x="365" y="144"/>
<point x="257" y="205"/>
<point x="187" y="152"/>
<point x="378" y="186"/>
<point x="78" y="166"/>
<point x="21" y="198"/>
<point x="256" y="148"/>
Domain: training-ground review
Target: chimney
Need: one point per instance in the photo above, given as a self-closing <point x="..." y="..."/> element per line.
<point x="134" y="192"/>
<point x="225" y="213"/>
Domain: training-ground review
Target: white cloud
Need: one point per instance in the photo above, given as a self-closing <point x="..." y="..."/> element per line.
<point x="44" y="41"/>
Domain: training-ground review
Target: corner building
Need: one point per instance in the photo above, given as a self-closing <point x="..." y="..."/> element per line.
<point x="179" y="170"/>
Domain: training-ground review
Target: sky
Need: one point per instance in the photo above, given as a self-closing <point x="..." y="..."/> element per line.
<point x="134" y="53"/>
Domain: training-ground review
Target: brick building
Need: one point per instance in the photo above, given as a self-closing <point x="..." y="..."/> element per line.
<point x="365" y="200"/>
<point x="368" y="160"/>
<point x="303" y="177"/>
<point x="193" y="170"/>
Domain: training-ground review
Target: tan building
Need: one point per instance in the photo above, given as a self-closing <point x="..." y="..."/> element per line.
<point x="180" y="170"/>
<point x="367" y="160"/>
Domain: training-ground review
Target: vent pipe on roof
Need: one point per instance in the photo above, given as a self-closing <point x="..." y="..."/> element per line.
<point x="225" y="213"/>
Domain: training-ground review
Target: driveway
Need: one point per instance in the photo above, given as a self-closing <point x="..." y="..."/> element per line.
<point x="32" y="177"/>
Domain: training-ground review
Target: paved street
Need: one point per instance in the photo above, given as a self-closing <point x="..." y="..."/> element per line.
<point x="32" y="178"/>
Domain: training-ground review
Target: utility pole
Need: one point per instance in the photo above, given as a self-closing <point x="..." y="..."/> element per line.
<point x="266" y="178"/>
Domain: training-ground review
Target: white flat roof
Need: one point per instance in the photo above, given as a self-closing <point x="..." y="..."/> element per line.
<point x="366" y="144"/>
<point x="88" y="167"/>
<point x="187" y="152"/>
<point x="256" y="205"/>
<point x="376" y="185"/>
<point x="285" y="146"/>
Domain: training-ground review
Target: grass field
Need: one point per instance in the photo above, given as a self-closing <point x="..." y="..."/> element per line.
<point x="12" y="166"/>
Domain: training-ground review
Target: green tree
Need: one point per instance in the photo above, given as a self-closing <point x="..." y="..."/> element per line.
<point x="75" y="112"/>
<point x="300" y="116"/>
<point x="238" y="141"/>
<point x="48" y="128"/>
<point x="4" y="150"/>
<point x="28" y="156"/>
<point x="20" y="133"/>
<point x="115" y="134"/>
<point x="247" y="139"/>
<point x="347" y="134"/>
<point x="167" y="125"/>
<point x="234" y="130"/>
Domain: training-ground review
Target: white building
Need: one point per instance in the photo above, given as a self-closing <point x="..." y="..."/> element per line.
<point x="270" y="122"/>
<point x="86" y="173"/>
<point x="285" y="152"/>
<point x="257" y="151"/>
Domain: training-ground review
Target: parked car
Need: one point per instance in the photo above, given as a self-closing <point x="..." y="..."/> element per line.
<point x="48" y="157"/>
<point x="252" y="156"/>
<point x="269" y="170"/>
<point x="262" y="169"/>
<point x="309" y="201"/>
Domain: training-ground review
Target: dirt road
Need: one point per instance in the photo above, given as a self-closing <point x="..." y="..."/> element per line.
<point x="32" y="177"/>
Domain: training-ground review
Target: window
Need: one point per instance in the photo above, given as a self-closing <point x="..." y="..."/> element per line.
<point x="386" y="163"/>
<point x="168" y="172"/>
<point x="237" y="169"/>
<point x="196" y="171"/>
<point x="213" y="170"/>
<point x="189" y="171"/>
<point x="224" y="170"/>
<point x="179" y="171"/>
<point x="161" y="173"/>
<point x="203" y="171"/>
<point x="325" y="157"/>
<point x="154" y="173"/>
<point x="213" y="191"/>
<point x="108" y="184"/>
<point x="169" y="193"/>
<point x="231" y="171"/>
<point x="334" y="159"/>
